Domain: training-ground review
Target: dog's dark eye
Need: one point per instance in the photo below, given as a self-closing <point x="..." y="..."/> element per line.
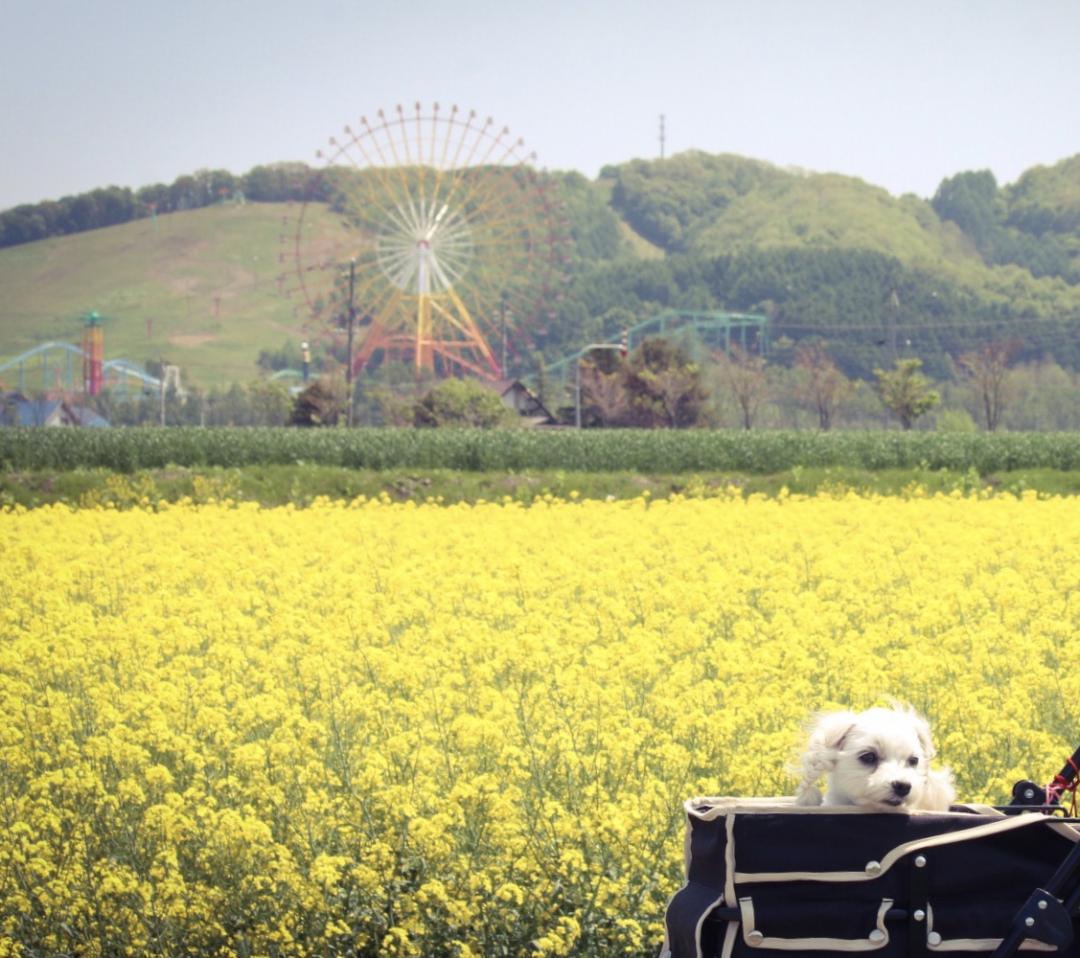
<point x="913" y="761"/>
<point x="868" y="758"/>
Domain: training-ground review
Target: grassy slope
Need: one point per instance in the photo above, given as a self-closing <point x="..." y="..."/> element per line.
<point x="199" y="288"/>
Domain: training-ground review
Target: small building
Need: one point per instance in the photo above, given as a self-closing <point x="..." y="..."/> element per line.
<point x="517" y="396"/>
<point x="17" y="410"/>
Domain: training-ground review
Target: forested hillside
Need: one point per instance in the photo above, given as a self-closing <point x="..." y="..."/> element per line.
<point x="824" y="256"/>
<point x="833" y="257"/>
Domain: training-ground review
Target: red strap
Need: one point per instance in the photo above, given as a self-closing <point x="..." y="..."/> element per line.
<point x="1060" y="785"/>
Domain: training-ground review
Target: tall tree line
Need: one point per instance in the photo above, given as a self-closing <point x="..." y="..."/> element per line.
<point x="112" y="205"/>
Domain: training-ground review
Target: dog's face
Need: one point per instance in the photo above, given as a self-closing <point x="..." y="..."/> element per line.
<point x="879" y="758"/>
<point x="883" y="758"/>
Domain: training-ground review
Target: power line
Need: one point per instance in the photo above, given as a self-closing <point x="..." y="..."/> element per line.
<point x="923" y="326"/>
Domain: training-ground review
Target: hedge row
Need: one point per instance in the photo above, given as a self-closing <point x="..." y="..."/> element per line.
<point x="126" y="450"/>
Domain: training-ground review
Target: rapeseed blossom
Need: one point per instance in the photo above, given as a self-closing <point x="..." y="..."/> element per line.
<point x="386" y="729"/>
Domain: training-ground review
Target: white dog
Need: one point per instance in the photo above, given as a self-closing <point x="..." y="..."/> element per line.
<point x="878" y="759"/>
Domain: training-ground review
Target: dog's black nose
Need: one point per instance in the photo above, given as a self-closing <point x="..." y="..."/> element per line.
<point x="901" y="788"/>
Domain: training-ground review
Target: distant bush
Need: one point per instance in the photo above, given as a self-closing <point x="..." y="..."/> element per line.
<point x="461" y="402"/>
<point x="635" y="450"/>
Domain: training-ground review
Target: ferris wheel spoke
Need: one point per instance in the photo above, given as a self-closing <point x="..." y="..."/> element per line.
<point x="401" y="168"/>
<point x="453" y="263"/>
<point x="478" y="139"/>
<point x="418" y="163"/>
<point x="434" y="134"/>
<point x="481" y="204"/>
<point x="365" y="200"/>
<point x="455" y="252"/>
<point x="392" y="256"/>
<point x="378" y="168"/>
<point x="381" y="309"/>
<point x="445" y="280"/>
<point x="399" y="270"/>
<point x="493" y="146"/>
<point x="377" y="333"/>
<point x="404" y="136"/>
<point x="395" y="163"/>
<point x="463" y="129"/>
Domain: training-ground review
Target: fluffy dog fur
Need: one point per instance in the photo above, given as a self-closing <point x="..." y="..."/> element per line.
<point x="878" y="759"/>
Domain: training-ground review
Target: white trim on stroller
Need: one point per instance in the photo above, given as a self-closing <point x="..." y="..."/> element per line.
<point x="746" y="930"/>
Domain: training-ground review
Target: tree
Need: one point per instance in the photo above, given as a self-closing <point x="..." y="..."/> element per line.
<point x="665" y="387"/>
<point x="821" y="385"/>
<point x="461" y="402"/>
<point x="380" y="405"/>
<point x="744" y="373"/>
<point x="270" y="403"/>
<point x="321" y="404"/>
<point x="971" y="201"/>
<point x="905" y="391"/>
<point x="987" y="369"/>
<point x="604" y="394"/>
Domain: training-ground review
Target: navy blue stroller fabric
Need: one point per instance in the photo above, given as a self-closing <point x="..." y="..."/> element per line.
<point x="766" y="877"/>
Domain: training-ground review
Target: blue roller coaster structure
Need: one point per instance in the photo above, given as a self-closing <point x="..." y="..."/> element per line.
<point x="58" y="367"/>
<point x="717" y="330"/>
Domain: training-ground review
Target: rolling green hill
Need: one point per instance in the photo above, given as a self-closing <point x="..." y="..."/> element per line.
<point x="819" y="251"/>
<point x="198" y="288"/>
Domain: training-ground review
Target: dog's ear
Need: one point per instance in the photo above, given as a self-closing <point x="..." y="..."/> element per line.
<point x="922" y="730"/>
<point x="827" y="733"/>
<point x="830" y="729"/>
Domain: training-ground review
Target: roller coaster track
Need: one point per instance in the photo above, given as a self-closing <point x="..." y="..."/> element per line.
<point x="68" y="368"/>
<point x="716" y="328"/>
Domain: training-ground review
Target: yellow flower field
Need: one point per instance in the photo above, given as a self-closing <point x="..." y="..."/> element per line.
<point x="447" y="731"/>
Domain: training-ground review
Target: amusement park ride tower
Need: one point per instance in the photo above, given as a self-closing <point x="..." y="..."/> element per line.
<point x="93" y="349"/>
<point x="450" y="234"/>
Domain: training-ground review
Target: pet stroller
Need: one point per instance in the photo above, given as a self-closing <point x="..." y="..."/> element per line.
<point x="767" y="877"/>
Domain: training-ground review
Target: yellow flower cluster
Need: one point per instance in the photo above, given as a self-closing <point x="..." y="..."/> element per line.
<point x="464" y="731"/>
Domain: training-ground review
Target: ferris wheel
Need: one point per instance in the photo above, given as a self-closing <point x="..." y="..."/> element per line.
<point x="449" y="251"/>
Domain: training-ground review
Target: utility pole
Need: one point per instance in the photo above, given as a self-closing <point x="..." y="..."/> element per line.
<point x="161" y="373"/>
<point x="661" y="136"/>
<point x="349" y="362"/>
<point x="502" y="321"/>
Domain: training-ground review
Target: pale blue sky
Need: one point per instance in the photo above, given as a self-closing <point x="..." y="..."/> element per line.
<point x="898" y="92"/>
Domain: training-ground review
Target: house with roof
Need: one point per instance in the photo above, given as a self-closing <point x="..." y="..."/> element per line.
<point x="17" y="410"/>
<point x="517" y="396"/>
